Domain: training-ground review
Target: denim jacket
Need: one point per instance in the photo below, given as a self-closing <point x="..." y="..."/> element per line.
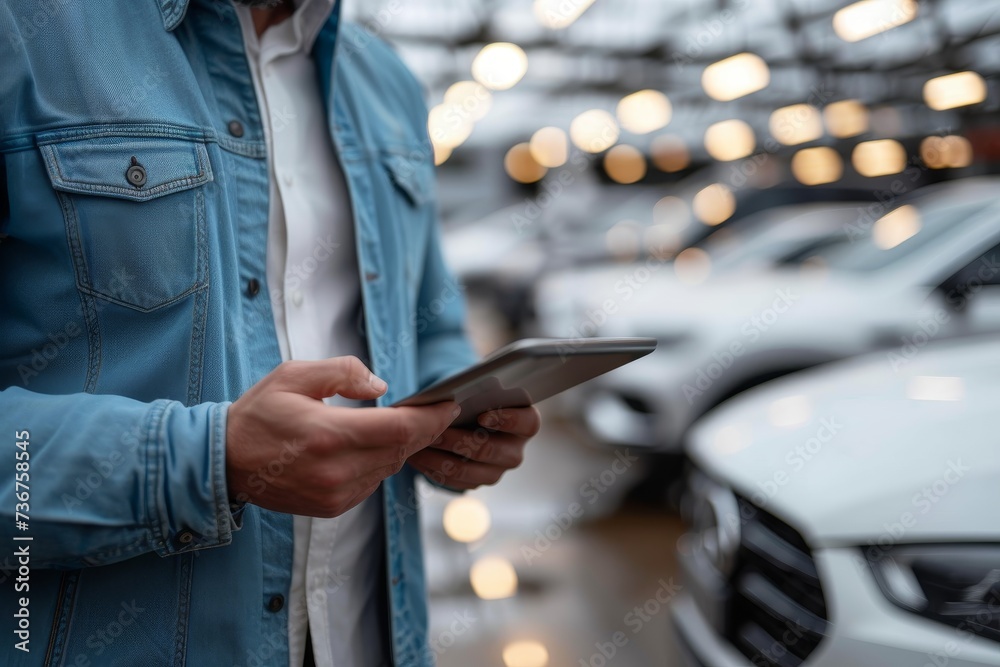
<point x="133" y="217"/>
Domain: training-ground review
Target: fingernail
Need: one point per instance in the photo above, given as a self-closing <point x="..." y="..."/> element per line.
<point x="456" y="411"/>
<point x="488" y="419"/>
<point x="377" y="383"/>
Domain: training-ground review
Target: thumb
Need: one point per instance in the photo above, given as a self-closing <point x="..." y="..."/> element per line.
<point x="343" y="376"/>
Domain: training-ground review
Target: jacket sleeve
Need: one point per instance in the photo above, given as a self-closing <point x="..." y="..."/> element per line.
<point x="110" y="478"/>
<point x="443" y="346"/>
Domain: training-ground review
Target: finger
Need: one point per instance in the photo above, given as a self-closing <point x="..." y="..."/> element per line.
<point x="344" y="376"/>
<point x="519" y="421"/>
<point x="501" y="449"/>
<point x="409" y="429"/>
<point x="451" y="470"/>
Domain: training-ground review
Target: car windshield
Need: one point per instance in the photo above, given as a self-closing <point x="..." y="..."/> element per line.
<point x="904" y="230"/>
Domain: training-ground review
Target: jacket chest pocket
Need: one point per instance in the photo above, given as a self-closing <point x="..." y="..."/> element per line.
<point x="412" y="177"/>
<point x="135" y="216"/>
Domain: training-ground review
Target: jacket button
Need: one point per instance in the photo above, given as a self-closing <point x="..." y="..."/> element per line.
<point x="253" y="287"/>
<point x="185" y="537"/>
<point x="136" y="174"/>
<point x="236" y="128"/>
<point x="276" y="603"/>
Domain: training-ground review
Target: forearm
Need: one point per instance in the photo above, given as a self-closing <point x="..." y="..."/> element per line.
<point x="111" y="478"/>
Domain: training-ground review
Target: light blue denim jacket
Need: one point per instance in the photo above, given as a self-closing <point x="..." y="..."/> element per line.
<point x="133" y="216"/>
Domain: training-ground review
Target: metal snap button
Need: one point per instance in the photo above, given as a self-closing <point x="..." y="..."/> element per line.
<point x="276" y="603"/>
<point x="236" y="128"/>
<point x="136" y="174"/>
<point x="253" y="287"/>
<point x="185" y="537"/>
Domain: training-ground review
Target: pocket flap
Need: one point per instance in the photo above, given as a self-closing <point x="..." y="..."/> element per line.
<point x="131" y="168"/>
<point x="412" y="175"/>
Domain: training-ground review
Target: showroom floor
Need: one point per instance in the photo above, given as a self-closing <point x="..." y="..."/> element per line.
<point x="590" y="575"/>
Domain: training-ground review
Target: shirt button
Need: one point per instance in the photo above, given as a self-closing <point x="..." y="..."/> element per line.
<point x="236" y="128"/>
<point x="297" y="297"/>
<point x="253" y="287"/>
<point x="276" y="603"/>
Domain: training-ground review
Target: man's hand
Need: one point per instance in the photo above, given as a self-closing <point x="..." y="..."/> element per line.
<point x="288" y="451"/>
<point x="462" y="459"/>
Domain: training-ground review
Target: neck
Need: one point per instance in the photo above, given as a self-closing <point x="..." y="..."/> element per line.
<point x="264" y="18"/>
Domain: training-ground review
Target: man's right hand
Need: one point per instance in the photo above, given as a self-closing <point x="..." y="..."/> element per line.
<point x="288" y="451"/>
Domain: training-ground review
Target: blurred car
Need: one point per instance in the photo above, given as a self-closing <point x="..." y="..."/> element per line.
<point x="928" y="270"/>
<point x="847" y="515"/>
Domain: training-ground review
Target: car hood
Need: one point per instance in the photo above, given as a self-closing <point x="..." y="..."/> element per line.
<point x="885" y="448"/>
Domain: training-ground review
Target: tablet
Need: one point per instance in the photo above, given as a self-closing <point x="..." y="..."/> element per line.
<point x="528" y="371"/>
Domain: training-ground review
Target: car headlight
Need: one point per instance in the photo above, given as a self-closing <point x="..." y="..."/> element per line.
<point x="954" y="584"/>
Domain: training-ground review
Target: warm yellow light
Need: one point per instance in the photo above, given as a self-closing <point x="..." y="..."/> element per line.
<point x="714" y="205"/>
<point x="661" y="241"/>
<point x="625" y="164"/>
<point x="692" y="266"/>
<point x="466" y="519"/>
<point x="558" y="14"/>
<point x="879" y="158"/>
<point x="441" y="154"/>
<point x="954" y="90"/>
<point x="896" y="227"/>
<point x="550" y="147"/>
<point x="671" y="212"/>
<point x="644" y="111"/>
<point x="493" y="578"/>
<point x="471" y="97"/>
<point x="623" y="240"/>
<point x="448" y="126"/>
<point x="594" y="131"/>
<point x="951" y="152"/>
<point x="499" y="66"/>
<point x="871" y="17"/>
<point x="735" y="77"/>
<point x="816" y="166"/>
<point x="528" y="653"/>
<point x="730" y="140"/>
<point x="847" y="118"/>
<point x="521" y="166"/>
<point x="670" y="153"/>
<point x="796" y="124"/>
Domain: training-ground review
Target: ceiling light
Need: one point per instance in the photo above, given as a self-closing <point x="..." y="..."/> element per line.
<point x="817" y="166"/>
<point x="644" y="111"/>
<point x="499" y="66"/>
<point x="961" y="89"/>
<point x="594" y="131"/>
<point x="730" y="140"/>
<point x="879" y="158"/>
<point x="735" y="77"/>
<point x="796" y="124"/>
<point x="871" y="17"/>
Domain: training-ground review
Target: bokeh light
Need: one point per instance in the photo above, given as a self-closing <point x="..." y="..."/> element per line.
<point x="669" y="153"/>
<point x="895" y="227"/>
<point x="470" y="96"/>
<point x="559" y="14"/>
<point x="714" y="204"/>
<point x="493" y="578"/>
<point x="817" y="166"/>
<point x="736" y="77"/>
<point x="525" y="653"/>
<point x="846" y="118"/>
<point x="871" y="17"/>
<point x="521" y="166"/>
<point x="594" y="131"/>
<point x="550" y="147"/>
<point x="692" y="266"/>
<point x="466" y="519"/>
<point x="950" y="152"/>
<point x="500" y="66"/>
<point x="625" y="164"/>
<point x="644" y="112"/>
<point x="796" y="124"/>
<point x="730" y="140"/>
<point x="882" y="157"/>
<point x="961" y="89"/>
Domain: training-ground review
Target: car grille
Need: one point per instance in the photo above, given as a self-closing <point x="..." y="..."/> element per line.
<point x="776" y="614"/>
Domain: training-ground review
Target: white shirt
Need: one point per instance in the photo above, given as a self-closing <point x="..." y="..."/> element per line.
<point x="315" y="290"/>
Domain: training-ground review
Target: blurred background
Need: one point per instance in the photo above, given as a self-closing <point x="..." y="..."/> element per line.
<point x="797" y="199"/>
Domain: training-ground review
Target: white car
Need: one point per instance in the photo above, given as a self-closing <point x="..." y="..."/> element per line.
<point x="848" y="516"/>
<point x="928" y="270"/>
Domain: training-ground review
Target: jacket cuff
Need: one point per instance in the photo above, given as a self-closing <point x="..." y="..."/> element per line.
<point x="185" y="490"/>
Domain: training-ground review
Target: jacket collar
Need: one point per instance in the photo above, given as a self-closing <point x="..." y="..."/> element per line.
<point x="172" y="12"/>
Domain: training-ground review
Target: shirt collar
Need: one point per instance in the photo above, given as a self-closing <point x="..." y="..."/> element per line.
<point x="310" y="15"/>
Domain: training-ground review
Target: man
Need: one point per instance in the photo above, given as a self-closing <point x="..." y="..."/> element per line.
<point x="208" y="211"/>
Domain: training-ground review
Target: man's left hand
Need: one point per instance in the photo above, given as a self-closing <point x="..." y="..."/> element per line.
<point x="463" y="459"/>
